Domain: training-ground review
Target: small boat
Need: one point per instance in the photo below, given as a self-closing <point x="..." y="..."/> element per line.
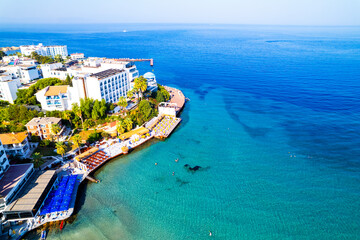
<point x="43" y="235"/>
<point x="62" y="225"/>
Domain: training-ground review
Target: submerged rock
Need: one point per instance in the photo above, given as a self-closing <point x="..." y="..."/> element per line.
<point x="194" y="169"/>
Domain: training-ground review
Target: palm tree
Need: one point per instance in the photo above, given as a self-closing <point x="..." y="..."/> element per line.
<point x="77" y="111"/>
<point x="61" y="148"/>
<point x="67" y="116"/>
<point x="120" y="128"/>
<point x="140" y="85"/>
<point x="128" y="123"/>
<point x="122" y="103"/>
<point x="130" y="94"/>
<point x="37" y="159"/>
<point x="55" y="129"/>
<point x="77" y="140"/>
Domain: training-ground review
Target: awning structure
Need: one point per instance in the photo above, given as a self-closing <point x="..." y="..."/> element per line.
<point x="31" y="197"/>
<point x="86" y="154"/>
<point x="139" y="131"/>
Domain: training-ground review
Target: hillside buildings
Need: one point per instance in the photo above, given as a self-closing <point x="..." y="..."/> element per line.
<point x="41" y="126"/>
<point x="77" y="56"/>
<point x="24" y="72"/>
<point x="58" y="98"/>
<point x="44" y="50"/>
<point x="8" y="87"/>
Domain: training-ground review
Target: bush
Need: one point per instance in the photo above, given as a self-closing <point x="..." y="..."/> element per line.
<point x="45" y="143"/>
<point x="93" y="137"/>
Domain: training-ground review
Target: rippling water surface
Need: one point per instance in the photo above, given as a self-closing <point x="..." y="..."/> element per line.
<point x="273" y="120"/>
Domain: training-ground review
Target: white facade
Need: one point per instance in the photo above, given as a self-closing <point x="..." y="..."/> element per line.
<point x="58" y="98"/>
<point x="77" y="56"/>
<point x="26" y="73"/>
<point x="4" y="162"/>
<point x="8" y="88"/>
<point x="151" y="81"/>
<point x="21" y="149"/>
<point x="51" y="70"/>
<point x="110" y="85"/>
<point x="167" y="109"/>
<point x="45" y="50"/>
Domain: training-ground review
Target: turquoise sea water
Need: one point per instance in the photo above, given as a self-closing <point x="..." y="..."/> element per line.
<point x="273" y="120"/>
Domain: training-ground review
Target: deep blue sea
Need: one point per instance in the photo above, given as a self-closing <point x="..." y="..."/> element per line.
<point x="273" y="119"/>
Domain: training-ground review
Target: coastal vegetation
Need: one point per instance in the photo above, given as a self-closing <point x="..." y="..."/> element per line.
<point x="86" y="117"/>
<point x="46" y="59"/>
<point x="27" y="96"/>
<point x="2" y="54"/>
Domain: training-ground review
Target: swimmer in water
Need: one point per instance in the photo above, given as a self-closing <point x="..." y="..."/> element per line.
<point x="155" y="163"/>
<point x="176" y="160"/>
<point x="173" y="173"/>
<point x="210" y="233"/>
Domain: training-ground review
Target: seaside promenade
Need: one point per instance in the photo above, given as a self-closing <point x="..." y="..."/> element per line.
<point x="60" y="201"/>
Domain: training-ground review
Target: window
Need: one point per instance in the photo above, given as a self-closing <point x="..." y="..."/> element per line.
<point x="44" y="131"/>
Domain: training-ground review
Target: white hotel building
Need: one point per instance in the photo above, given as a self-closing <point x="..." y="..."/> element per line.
<point x="109" y="84"/>
<point x="45" y="50"/>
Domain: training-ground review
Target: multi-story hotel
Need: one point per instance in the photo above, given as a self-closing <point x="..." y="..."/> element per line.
<point x="41" y="126"/>
<point x="16" y="144"/>
<point x="45" y="50"/>
<point x="109" y="84"/>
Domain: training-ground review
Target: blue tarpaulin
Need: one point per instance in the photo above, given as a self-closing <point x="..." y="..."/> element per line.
<point x="59" y="199"/>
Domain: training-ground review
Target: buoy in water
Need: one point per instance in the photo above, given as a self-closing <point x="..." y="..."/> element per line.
<point x="155" y="163"/>
<point x="210" y="233"/>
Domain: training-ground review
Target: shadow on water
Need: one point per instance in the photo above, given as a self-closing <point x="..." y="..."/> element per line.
<point x="203" y="91"/>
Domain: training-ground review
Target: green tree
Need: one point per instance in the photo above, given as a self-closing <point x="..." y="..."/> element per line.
<point x="77" y="111"/>
<point x="95" y="113"/>
<point x="160" y="97"/>
<point x="120" y="127"/>
<point x="61" y="148"/>
<point x="37" y="159"/>
<point x="67" y="116"/>
<point x="55" y="129"/>
<point x="122" y="103"/>
<point x="93" y="137"/>
<point x="2" y="54"/>
<point x="146" y="110"/>
<point x="86" y="107"/>
<point x="27" y="96"/>
<point x="128" y="123"/>
<point x="77" y="140"/>
<point x="103" y="108"/>
<point x="58" y="58"/>
<point x="68" y="80"/>
<point x="140" y="85"/>
<point x="105" y="135"/>
<point x="130" y="94"/>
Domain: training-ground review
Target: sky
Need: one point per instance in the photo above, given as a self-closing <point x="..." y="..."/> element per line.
<point x="272" y="12"/>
